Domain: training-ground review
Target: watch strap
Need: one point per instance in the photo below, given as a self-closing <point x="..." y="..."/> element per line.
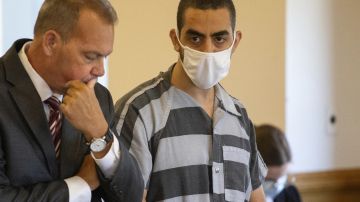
<point x="108" y="137"/>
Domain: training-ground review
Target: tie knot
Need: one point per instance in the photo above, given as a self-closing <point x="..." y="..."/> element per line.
<point x="53" y="102"/>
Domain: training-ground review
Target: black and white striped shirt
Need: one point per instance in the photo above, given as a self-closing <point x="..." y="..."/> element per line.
<point x="183" y="154"/>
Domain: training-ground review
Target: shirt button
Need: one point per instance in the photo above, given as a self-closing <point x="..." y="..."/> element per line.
<point x="217" y="170"/>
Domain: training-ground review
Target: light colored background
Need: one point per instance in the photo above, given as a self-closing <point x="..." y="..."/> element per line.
<point x="297" y="64"/>
<point x="323" y="78"/>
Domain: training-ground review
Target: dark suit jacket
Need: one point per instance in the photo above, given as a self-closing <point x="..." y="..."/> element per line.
<point x="289" y="194"/>
<point x="28" y="168"/>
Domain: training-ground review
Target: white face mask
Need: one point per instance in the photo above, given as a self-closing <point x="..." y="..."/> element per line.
<point x="272" y="189"/>
<point x="206" y="69"/>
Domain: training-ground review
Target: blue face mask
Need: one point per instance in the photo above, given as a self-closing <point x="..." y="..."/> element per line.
<point x="272" y="188"/>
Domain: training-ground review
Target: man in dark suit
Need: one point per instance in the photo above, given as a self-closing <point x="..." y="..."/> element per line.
<point x="68" y="151"/>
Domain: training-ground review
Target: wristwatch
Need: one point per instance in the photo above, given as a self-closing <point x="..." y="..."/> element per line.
<point x="99" y="144"/>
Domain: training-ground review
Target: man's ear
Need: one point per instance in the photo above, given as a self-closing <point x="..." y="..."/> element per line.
<point x="51" y="41"/>
<point x="238" y="36"/>
<point x="174" y="40"/>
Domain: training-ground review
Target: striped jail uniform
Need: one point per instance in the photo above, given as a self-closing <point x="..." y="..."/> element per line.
<point x="183" y="154"/>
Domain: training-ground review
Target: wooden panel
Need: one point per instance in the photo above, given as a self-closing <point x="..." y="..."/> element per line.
<point x="329" y="186"/>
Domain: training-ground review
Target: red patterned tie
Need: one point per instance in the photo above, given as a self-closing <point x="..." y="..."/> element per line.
<point x="55" y="122"/>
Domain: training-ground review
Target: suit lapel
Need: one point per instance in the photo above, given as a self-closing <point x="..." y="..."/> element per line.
<point x="30" y="106"/>
<point x="73" y="149"/>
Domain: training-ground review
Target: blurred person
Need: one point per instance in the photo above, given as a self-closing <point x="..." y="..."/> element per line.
<point x="275" y="150"/>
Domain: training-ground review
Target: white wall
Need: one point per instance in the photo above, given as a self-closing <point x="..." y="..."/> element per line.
<point x="17" y="21"/>
<point x="322" y="74"/>
<point x="1" y="28"/>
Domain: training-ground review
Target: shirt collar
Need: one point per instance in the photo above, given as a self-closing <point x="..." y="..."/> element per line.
<point x="41" y="86"/>
<point x="225" y="100"/>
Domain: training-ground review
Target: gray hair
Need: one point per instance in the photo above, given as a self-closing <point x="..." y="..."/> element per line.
<point x="63" y="15"/>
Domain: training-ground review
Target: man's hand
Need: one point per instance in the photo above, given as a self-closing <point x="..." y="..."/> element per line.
<point x="81" y="107"/>
<point x="88" y="172"/>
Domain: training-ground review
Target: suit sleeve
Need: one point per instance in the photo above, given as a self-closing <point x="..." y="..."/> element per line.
<point x="44" y="191"/>
<point x="127" y="184"/>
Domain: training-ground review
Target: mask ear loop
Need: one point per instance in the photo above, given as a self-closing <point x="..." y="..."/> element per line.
<point x="177" y="36"/>
<point x="181" y="45"/>
<point x="234" y="38"/>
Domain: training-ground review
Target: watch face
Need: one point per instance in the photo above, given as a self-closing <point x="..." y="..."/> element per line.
<point x="98" y="145"/>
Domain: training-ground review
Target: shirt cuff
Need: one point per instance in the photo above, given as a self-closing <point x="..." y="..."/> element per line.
<point x="110" y="161"/>
<point x="79" y="190"/>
